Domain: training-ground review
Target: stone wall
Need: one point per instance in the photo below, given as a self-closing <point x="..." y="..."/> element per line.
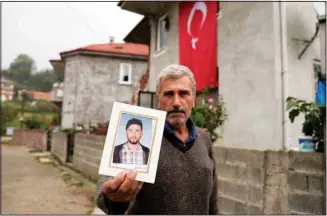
<point x="32" y="138"/>
<point x="87" y="154"/>
<point x="59" y="146"/>
<point x="269" y="182"/>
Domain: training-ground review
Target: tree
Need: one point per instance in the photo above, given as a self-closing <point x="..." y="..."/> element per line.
<point x="43" y="80"/>
<point x="21" y="68"/>
<point x="25" y="97"/>
<point x="9" y="112"/>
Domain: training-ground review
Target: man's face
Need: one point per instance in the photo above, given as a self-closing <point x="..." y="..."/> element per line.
<point x="134" y="133"/>
<point x="176" y="97"/>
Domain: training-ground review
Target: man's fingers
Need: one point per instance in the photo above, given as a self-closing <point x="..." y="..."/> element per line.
<point x="113" y="184"/>
<point x="129" y="183"/>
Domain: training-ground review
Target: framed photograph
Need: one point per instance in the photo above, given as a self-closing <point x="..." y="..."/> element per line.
<point x="133" y="141"/>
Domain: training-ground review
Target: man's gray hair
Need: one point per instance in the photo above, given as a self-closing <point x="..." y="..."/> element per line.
<point x="175" y="71"/>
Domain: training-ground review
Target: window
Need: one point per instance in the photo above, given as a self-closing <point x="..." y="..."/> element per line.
<point x="161" y="33"/>
<point x="60" y="93"/>
<point x="317" y="72"/>
<point x="125" y="75"/>
<point x="317" y="67"/>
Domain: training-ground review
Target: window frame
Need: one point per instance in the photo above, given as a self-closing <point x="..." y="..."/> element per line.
<point x="121" y="73"/>
<point x="158" y="38"/>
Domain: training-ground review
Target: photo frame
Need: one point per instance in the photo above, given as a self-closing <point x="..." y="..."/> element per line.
<point x="133" y="141"/>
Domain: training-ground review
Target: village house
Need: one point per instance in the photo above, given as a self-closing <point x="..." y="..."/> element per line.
<point x="7" y="90"/>
<point x="97" y="75"/>
<point x="266" y="51"/>
<point x="38" y="95"/>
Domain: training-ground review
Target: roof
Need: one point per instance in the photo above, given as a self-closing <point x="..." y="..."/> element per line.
<point x="55" y="60"/>
<point x="41" y="95"/>
<point x="114" y="48"/>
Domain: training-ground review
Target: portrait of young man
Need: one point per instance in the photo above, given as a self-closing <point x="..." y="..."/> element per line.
<point x="132" y="151"/>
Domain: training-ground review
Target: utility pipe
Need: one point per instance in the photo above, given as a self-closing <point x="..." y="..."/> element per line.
<point x="284" y="61"/>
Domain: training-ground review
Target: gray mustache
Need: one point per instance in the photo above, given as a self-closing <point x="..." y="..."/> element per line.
<point x="175" y="111"/>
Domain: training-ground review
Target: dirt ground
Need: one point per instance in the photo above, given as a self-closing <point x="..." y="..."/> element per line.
<point x="29" y="187"/>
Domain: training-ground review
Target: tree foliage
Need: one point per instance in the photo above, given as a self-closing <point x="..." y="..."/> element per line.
<point x="9" y="112"/>
<point x="22" y="72"/>
<point x="21" y="68"/>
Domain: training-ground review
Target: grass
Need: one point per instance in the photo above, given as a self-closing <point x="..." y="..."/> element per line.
<point x="45" y="118"/>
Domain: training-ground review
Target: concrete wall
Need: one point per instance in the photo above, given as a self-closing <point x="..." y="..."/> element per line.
<point x="300" y="24"/>
<point x="59" y="146"/>
<point x="32" y="138"/>
<point x="170" y="54"/>
<point x="87" y="154"/>
<point x="91" y="87"/>
<point x="247" y="75"/>
<point x="269" y="182"/>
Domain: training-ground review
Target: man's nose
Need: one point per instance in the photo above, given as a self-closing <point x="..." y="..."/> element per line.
<point x="176" y="102"/>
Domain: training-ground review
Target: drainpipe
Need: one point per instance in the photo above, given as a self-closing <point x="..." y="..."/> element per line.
<point x="283" y="58"/>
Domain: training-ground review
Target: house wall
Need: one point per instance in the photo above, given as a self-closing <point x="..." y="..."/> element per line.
<point x="170" y="54"/>
<point x="91" y="87"/>
<point x="247" y="76"/>
<point x="300" y="24"/>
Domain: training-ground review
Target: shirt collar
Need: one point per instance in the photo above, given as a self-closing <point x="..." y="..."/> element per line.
<point x="191" y="127"/>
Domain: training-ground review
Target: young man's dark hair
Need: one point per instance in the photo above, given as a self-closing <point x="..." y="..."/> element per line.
<point x="134" y="121"/>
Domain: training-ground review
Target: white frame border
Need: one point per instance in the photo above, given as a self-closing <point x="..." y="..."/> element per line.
<point x="118" y="108"/>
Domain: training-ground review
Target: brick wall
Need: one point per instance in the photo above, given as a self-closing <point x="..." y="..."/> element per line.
<point x="87" y="154"/>
<point x="59" y="146"/>
<point x="268" y="182"/>
<point x="32" y="138"/>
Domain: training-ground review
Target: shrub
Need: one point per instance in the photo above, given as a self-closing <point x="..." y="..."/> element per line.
<point x="210" y="116"/>
<point x="314" y="118"/>
<point x="9" y="112"/>
<point x="47" y="106"/>
<point x="32" y="124"/>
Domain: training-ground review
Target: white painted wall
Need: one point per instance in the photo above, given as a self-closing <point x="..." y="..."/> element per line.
<point x="301" y="24"/>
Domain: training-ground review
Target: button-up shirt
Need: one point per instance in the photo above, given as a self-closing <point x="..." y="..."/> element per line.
<point x="182" y="146"/>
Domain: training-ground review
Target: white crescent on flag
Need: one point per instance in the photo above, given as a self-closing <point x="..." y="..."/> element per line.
<point x="202" y="7"/>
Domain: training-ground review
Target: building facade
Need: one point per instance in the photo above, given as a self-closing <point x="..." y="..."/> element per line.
<point x="95" y="76"/>
<point x="7" y="90"/>
<point x="266" y="52"/>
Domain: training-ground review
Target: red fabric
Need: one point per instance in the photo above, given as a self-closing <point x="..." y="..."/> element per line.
<point x="203" y="59"/>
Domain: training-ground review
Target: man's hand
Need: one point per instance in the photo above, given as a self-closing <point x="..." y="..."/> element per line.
<point x="122" y="188"/>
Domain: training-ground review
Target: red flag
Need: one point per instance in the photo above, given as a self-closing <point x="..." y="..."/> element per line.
<point x="198" y="41"/>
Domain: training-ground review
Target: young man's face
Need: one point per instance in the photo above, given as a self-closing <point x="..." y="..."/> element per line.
<point x="134" y="133"/>
<point x="176" y="97"/>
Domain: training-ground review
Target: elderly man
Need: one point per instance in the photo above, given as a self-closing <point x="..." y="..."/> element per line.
<point x="186" y="181"/>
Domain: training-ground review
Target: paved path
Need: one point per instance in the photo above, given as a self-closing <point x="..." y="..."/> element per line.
<point x="29" y="187"/>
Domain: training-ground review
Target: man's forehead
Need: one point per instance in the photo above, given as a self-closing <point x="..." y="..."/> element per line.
<point x="182" y="83"/>
<point x="133" y="125"/>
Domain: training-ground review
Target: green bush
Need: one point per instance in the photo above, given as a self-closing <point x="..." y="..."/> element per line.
<point x="210" y="116"/>
<point x="47" y="106"/>
<point x="9" y="112"/>
<point x="32" y="124"/>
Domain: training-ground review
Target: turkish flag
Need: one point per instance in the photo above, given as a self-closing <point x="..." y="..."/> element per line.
<point x="198" y="41"/>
